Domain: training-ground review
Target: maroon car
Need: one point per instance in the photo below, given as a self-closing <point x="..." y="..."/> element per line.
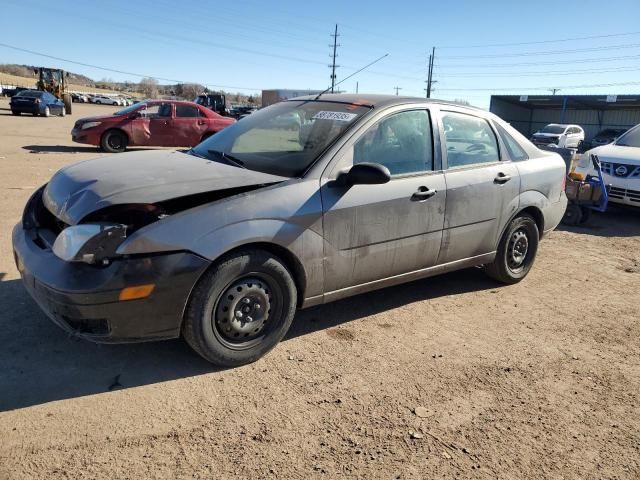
<point x="157" y="123"/>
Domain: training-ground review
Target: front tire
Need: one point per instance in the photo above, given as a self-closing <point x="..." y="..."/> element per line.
<point x="113" y="141"/>
<point x="516" y="251"/>
<point x="240" y="309"/>
<point x="13" y="112"/>
<point x="47" y="112"/>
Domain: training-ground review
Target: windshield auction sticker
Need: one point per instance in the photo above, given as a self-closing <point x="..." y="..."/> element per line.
<point x="339" y="116"/>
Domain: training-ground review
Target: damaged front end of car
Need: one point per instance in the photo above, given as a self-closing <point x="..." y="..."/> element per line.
<point x="96" y="238"/>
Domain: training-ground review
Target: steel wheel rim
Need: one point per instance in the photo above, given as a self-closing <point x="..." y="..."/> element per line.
<point x="246" y="311"/>
<point x="115" y="142"/>
<point x="518" y="249"/>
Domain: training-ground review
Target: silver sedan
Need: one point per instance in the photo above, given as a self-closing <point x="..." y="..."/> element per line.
<point x="301" y="203"/>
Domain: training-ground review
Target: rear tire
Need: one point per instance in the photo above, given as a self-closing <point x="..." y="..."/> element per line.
<point x="113" y="141"/>
<point x="516" y="251"/>
<point x="586" y="215"/>
<point x="240" y="309"/>
<point x="68" y="100"/>
<point x="572" y="215"/>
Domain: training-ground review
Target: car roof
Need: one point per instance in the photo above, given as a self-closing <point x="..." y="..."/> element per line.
<point x="377" y="100"/>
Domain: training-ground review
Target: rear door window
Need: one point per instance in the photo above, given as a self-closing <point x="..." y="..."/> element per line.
<point x="469" y="140"/>
<point x="187" y="111"/>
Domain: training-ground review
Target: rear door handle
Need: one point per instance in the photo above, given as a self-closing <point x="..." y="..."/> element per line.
<point x="422" y="194"/>
<point x="502" y="178"/>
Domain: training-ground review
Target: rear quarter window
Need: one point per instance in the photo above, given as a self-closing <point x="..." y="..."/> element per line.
<point x="516" y="152"/>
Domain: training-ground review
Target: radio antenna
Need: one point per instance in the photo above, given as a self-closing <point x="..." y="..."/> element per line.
<point x="354" y="73"/>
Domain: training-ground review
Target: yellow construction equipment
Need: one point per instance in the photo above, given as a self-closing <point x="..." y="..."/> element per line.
<point x="53" y="80"/>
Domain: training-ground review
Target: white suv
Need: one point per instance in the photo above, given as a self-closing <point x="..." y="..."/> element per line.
<point x="559" y="135"/>
<point x="620" y="162"/>
<point x="104" y="100"/>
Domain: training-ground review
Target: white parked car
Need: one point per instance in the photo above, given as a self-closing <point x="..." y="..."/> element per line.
<point x="104" y="100"/>
<point x="562" y="136"/>
<point x="620" y="162"/>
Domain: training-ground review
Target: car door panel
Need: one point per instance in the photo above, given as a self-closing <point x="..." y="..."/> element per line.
<point x="477" y="207"/>
<point x="188" y="126"/>
<point x="377" y="231"/>
<point x="374" y="232"/>
<point x="482" y="191"/>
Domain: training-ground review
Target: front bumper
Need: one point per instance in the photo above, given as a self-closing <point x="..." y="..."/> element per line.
<point x="83" y="299"/>
<point x="89" y="136"/>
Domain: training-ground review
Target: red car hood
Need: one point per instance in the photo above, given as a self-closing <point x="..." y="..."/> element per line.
<point x="100" y="118"/>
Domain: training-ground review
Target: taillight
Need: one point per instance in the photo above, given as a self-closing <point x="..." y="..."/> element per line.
<point x="564" y="182"/>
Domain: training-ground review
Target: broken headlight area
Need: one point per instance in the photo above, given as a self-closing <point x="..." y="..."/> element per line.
<point x="96" y="240"/>
<point x="89" y="242"/>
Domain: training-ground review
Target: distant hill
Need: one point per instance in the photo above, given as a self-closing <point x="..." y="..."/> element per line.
<point x="12" y="73"/>
<point x="27" y="71"/>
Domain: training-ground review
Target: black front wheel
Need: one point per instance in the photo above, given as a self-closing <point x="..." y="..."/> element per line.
<point x="13" y="112"/>
<point x="516" y="251"/>
<point x="113" y="141"/>
<point x="241" y="308"/>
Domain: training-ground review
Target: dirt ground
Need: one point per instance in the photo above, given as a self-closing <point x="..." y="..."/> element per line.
<point x="450" y="377"/>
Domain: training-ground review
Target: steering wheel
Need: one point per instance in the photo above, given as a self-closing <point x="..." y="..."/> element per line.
<point x="476" y="147"/>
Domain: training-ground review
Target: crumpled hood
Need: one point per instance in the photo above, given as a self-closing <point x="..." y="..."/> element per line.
<point x="140" y="177"/>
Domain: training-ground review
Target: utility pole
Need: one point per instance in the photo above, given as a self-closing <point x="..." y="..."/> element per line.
<point x="356" y="87"/>
<point x="333" y="65"/>
<point x="430" y="80"/>
<point x="554" y="90"/>
<point x="397" y="89"/>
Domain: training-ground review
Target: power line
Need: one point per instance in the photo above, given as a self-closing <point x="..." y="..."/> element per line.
<point x="545" y="73"/>
<point x="549" y="52"/>
<point x="538" y="42"/>
<point x="113" y="70"/>
<point x="565" y="87"/>
<point x="560" y="62"/>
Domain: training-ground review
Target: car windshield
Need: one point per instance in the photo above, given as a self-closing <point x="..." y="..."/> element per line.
<point x="630" y="139"/>
<point x="555" y="129"/>
<point x="284" y="139"/>
<point x="129" y="109"/>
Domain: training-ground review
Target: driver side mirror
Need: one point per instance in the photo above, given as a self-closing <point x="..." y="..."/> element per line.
<point x="364" y="174"/>
<point x="135" y="115"/>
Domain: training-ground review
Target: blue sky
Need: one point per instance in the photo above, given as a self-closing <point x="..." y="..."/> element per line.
<point x="247" y="45"/>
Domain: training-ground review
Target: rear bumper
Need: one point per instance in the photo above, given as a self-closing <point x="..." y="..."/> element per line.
<point x="554" y="212"/>
<point x="26" y="108"/>
<point x="83" y="299"/>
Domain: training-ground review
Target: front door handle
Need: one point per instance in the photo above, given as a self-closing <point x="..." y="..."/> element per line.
<point x="502" y="178"/>
<point x="422" y="194"/>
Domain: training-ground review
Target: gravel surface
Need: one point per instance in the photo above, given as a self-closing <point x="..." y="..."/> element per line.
<point x="449" y="377"/>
